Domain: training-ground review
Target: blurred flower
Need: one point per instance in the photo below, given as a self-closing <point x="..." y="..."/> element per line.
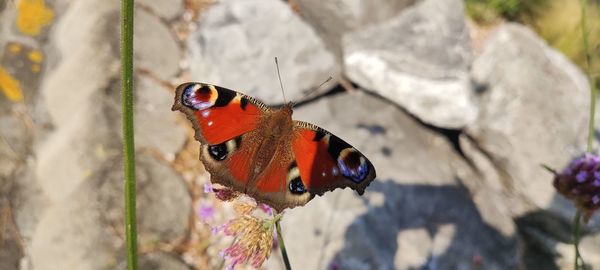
<point x="223" y="194"/>
<point x="266" y="208"/>
<point x="334" y="265"/>
<point x="253" y="237"/>
<point x="208" y="188"/>
<point x="580" y="183"/>
<point x="206" y="211"/>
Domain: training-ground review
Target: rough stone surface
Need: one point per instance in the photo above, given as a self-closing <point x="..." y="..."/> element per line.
<point x="92" y="215"/>
<point x="237" y="41"/>
<point x="85" y="22"/>
<point x="75" y="151"/>
<point x="11" y="252"/>
<point x="526" y="122"/>
<point x="423" y="66"/>
<point x="155" y="47"/>
<point x="164" y="203"/>
<point x="167" y="9"/>
<point x="155" y="124"/>
<point x="332" y="19"/>
<point x="16" y="61"/>
<point x="418" y="189"/>
<point x="157" y="261"/>
<point x="28" y="202"/>
<point x="15" y="141"/>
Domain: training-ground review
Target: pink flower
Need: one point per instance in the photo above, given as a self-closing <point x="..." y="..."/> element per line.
<point x="265" y="208"/>
<point x="253" y="237"/>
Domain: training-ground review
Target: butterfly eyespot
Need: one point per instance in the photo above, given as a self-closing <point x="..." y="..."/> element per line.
<point x="198" y="96"/>
<point x="296" y="186"/>
<point x="353" y="165"/>
<point x="218" y="152"/>
<point x="221" y="151"/>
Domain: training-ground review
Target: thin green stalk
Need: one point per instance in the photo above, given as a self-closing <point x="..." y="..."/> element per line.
<point x="127" y="118"/>
<point x="588" y="61"/>
<point x="286" y="260"/>
<point x="579" y="264"/>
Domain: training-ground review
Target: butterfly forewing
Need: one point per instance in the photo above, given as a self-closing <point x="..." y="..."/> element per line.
<point x="218" y="114"/>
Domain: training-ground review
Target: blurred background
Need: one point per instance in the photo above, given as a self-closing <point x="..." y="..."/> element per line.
<point x="456" y="103"/>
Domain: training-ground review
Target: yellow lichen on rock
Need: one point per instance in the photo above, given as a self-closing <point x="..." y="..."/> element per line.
<point x="32" y="16"/>
<point x="10" y="86"/>
<point x="35" y="56"/>
<point x="14" y="48"/>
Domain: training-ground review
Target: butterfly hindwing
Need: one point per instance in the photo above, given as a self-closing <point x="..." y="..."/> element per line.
<point x="218" y="114"/>
<point x="230" y="164"/>
<point x="326" y="162"/>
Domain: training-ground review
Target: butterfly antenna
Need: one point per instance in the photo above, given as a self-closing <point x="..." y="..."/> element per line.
<point x="318" y="87"/>
<point x="280" y="83"/>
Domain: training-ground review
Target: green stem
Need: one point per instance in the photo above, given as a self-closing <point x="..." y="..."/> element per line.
<point x="588" y="61"/>
<point x="576" y="233"/>
<point x="286" y="260"/>
<point x="127" y="118"/>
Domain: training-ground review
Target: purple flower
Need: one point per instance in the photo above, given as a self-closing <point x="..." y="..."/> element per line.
<point x="216" y="230"/>
<point x="206" y="211"/>
<point x="334" y="265"/>
<point x="208" y="188"/>
<point x="275" y="241"/>
<point x="581" y="176"/>
<point x="573" y="183"/>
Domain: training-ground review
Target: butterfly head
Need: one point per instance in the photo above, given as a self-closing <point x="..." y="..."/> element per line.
<point x="288" y="108"/>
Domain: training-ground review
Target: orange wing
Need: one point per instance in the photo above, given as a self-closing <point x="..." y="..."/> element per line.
<point x="326" y="162"/>
<point x="217" y="114"/>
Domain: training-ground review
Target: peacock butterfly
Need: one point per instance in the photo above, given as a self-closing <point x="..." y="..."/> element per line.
<point x="252" y="148"/>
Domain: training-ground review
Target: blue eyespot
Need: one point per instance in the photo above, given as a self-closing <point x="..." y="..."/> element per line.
<point x="358" y="174"/>
<point x="197" y="97"/>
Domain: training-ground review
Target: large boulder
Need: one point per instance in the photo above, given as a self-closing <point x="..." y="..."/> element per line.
<point x="423" y="65"/>
<point x="236" y="43"/>
<point x="332" y="19"/>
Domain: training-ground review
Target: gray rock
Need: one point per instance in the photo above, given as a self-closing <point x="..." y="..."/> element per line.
<point x="95" y="63"/>
<point x="15" y="141"/>
<point x="163" y="200"/>
<point x="76" y="150"/>
<point x="416" y="214"/>
<point x="332" y="19"/>
<point x="27" y="73"/>
<point x="423" y="66"/>
<point x="166" y="9"/>
<point x="157" y="261"/>
<point x="155" y="47"/>
<point x="74" y="234"/>
<point x="11" y="251"/>
<point x="155" y="123"/>
<point x="28" y="203"/>
<point x="93" y="217"/>
<point x="526" y="122"/>
<point x="237" y="41"/>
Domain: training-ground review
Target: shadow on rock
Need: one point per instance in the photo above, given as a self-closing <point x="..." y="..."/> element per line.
<point x="424" y="227"/>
